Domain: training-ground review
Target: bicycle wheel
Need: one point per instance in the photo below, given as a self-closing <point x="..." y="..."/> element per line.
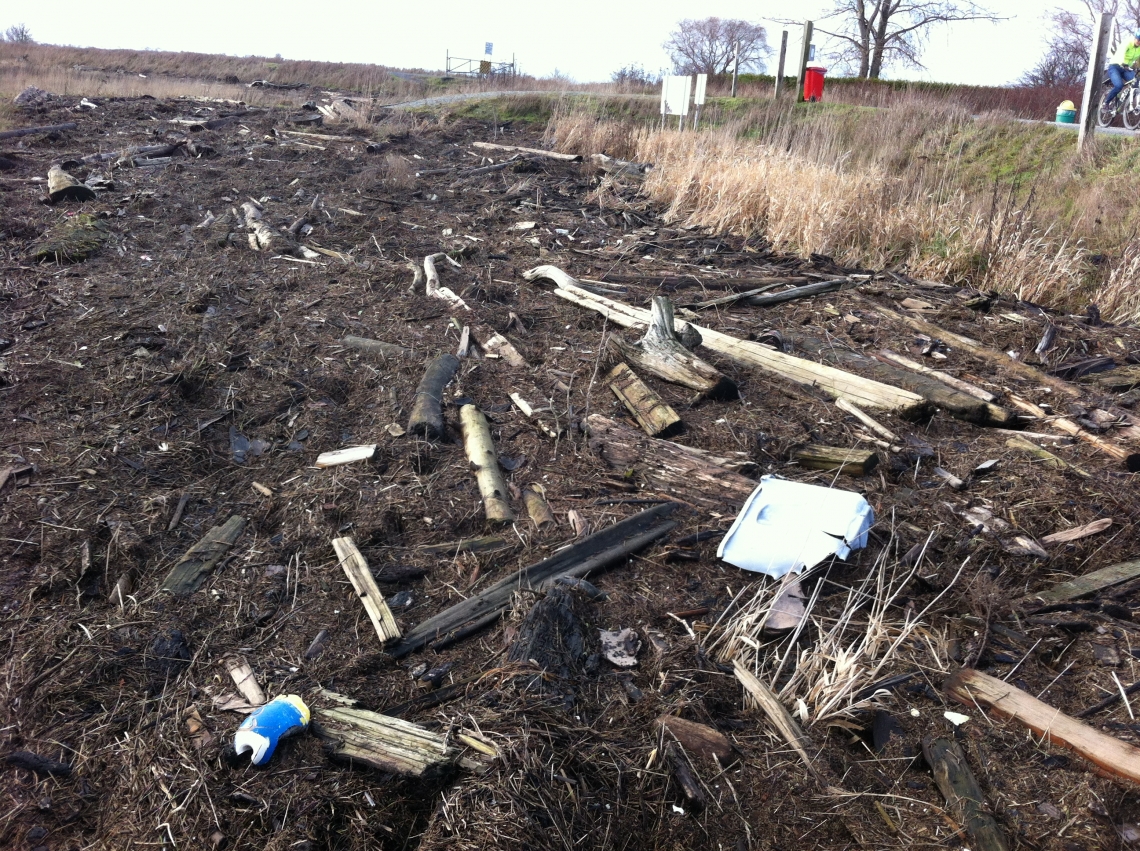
<point x="1107" y="113"/>
<point x="1131" y="111"/>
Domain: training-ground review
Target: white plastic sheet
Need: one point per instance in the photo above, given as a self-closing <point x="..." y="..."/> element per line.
<point x="788" y="527"/>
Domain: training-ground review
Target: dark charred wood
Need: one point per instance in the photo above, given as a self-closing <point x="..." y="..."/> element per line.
<point x="427" y="410"/>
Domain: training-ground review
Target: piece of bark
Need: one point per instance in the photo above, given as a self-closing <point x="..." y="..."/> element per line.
<point x="1070" y="427"/>
<point x="32" y="131"/>
<point x="591" y="554"/>
<point x="946" y="378"/>
<point x="683" y="773"/>
<point x="538" y="509"/>
<point x="1078" y="532"/>
<point x="242" y="675"/>
<point x="191" y="570"/>
<point x="480" y="452"/>
<point x="553" y="155"/>
<point x="318" y="645"/>
<point x="836" y="383"/>
<point x="1084" y="586"/>
<point x="963" y="795"/>
<point x="660" y="353"/>
<point x="778" y="715"/>
<point x="427" y="412"/>
<point x="553" y="638"/>
<point x="788" y="610"/>
<point x="348" y="455"/>
<point x="1045" y="456"/>
<point x="382" y="742"/>
<point x="495" y="344"/>
<point x="699" y="740"/>
<point x="1111" y="756"/>
<point x="63" y="187"/>
<point x="852" y="462"/>
<point x="668" y="467"/>
<point x="123" y="587"/>
<point x="378" y="347"/>
<point x="356" y="568"/>
<point x="653" y="415"/>
<point x="433" y="287"/>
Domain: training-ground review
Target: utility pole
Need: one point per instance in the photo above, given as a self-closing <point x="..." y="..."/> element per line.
<point x="780" y="66"/>
<point x="805" y="51"/>
<point x="1091" y="103"/>
<point x="735" y="68"/>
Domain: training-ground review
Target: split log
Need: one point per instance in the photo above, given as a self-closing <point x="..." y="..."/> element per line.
<point x="1111" y="756"/>
<point x="698" y="740"/>
<point x="668" y="467"/>
<point x="378" y="347"/>
<point x="1084" y="586"/>
<point x="588" y="555"/>
<point x="1070" y="427"/>
<point x="944" y="377"/>
<point x="32" y="131"/>
<point x="834" y="382"/>
<point x="496" y="345"/>
<point x="853" y="462"/>
<point x="434" y="290"/>
<point x="551" y="155"/>
<point x="481" y="453"/>
<point x="538" y="509"/>
<point x="63" y="187"/>
<point x="427" y="412"/>
<point x="382" y="742"/>
<point x="652" y="414"/>
<point x="1045" y="456"/>
<point x="356" y="568"/>
<point x="660" y="352"/>
<point x="962" y="793"/>
<point x="242" y="675"/>
<point x="192" y="569"/>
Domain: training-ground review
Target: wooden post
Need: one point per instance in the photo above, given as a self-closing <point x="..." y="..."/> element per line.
<point x="1090" y="105"/>
<point x="735" y="68"/>
<point x="780" y="66"/>
<point x="805" y="51"/>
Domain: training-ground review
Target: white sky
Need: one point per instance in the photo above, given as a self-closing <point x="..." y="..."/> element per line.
<point x="585" y="39"/>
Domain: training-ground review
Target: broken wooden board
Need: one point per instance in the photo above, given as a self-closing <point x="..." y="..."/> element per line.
<point x="361" y="578"/>
<point x="496" y="345"/>
<point x="594" y="553"/>
<point x="653" y="415"/>
<point x="1112" y="756"/>
<point x="963" y="795"/>
<point x="669" y="468"/>
<point x="382" y="742"/>
<point x="191" y="570"/>
<point x="1085" y="585"/>
<point x="834" y="382"/>
<point x="552" y="155"/>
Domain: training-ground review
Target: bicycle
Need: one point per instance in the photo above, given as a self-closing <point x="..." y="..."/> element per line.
<point x="1126" y="104"/>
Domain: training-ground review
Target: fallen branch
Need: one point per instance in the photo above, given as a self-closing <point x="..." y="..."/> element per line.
<point x="427" y="412"/>
<point x="551" y="155"/>
<point x="434" y="290"/>
<point x="481" y="453"/>
<point x="31" y="131"/>
<point x="962" y="793"/>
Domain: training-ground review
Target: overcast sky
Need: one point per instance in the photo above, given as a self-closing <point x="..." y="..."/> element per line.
<point x="585" y="39"/>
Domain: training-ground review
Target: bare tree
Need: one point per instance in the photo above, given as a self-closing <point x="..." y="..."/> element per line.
<point x="18" y="34"/>
<point x="1066" y="55"/>
<point x="875" y="33"/>
<point x="709" y="46"/>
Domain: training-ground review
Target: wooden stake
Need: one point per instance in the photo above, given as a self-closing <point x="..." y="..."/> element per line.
<point x="360" y="576"/>
<point x="192" y="569"/>
<point x="1090" y="102"/>
<point x="853" y="462"/>
<point x="657" y="418"/>
<point x="427" y="411"/>
<point x="481" y="453"/>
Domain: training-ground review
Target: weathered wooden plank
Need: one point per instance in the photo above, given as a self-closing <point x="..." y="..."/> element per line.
<point x="552" y="155"/>
<point x="191" y="570"/>
<point x="657" y="418"/>
<point x="382" y="742"/>
<point x="360" y="576"/>
<point x="853" y="462"/>
<point x="1090" y="583"/>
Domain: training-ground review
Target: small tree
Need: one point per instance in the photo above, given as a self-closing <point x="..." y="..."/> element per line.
<point x="18" y="34"/>
<point x="709" y="46"/>
<point x="632" y="75"/>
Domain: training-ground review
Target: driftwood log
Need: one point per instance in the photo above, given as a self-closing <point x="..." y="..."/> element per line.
<point x="427" y="411"/>
<point x="550" y="155"/>
<point x="481" y="453"/>
<point x="433" y="288"/>
<point x="595" y="553"/>
<point x="657" y="418"/>
<point x="660" y="353"/>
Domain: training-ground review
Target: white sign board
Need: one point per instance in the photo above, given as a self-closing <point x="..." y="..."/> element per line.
<point x="699" y="97"/>
<point x="675" y="95"/>
<point x="487" y="52"/>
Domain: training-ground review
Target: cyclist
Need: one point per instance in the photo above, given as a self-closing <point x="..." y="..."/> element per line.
<point x="1120" y="70"/>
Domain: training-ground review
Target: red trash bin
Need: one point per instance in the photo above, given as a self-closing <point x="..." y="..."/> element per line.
<point x="813" y="83"/>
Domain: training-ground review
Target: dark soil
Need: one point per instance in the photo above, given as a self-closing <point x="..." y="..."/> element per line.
<point x="176" y="366"/>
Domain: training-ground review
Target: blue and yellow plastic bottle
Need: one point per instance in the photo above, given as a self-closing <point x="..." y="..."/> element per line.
<point x="260" y="732"/>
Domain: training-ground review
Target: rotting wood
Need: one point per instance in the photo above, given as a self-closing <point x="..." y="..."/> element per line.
<point x="1045" y="456"/>
<point x="1084" y="586"/>
<point x="778" y="715"/>
<point x="356" y="568"/>
<point x="834" y="382"/>
<point x="598" y="551"/>
<point x="1070" y="427"/>
<point x="32" y="131"/>
<point x="242" y="675"/>
<point x="944" y="377"/>
<point x="1078" y="532"/>
<point x="191" y="570"/>
<point x="480" y="452"/>
<point x="63" y="187"/>
<point x="552" y="638"/>
<point x="683" y="773"/>
<point x="962" y="793"/>
<point x="1112" y="756"/>
<point x="378" y="347"/>
<point x="660" y="352"/>
<point x="657" y="418"/>
<point x="382" y="742"/>
<point x="261" y="236"/>
<point x="851" y="461"/>
<point x="348" y="455"/>
<point x="697" y="739"/>
<point x="433" y="287"/>
<point x="668" y="467"/>
<point x="495" y="344"/>
<point x="427" y="408"/>
<point x="552" y="155"/>
<point x="537" y="508"/>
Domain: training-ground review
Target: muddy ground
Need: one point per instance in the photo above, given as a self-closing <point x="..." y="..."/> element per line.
<point x="175" y="367"/>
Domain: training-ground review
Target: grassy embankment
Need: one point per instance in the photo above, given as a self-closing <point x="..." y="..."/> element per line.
<point x="921" y="187"/>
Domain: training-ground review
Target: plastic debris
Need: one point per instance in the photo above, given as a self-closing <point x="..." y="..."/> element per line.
<point x="260" y="732"/>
